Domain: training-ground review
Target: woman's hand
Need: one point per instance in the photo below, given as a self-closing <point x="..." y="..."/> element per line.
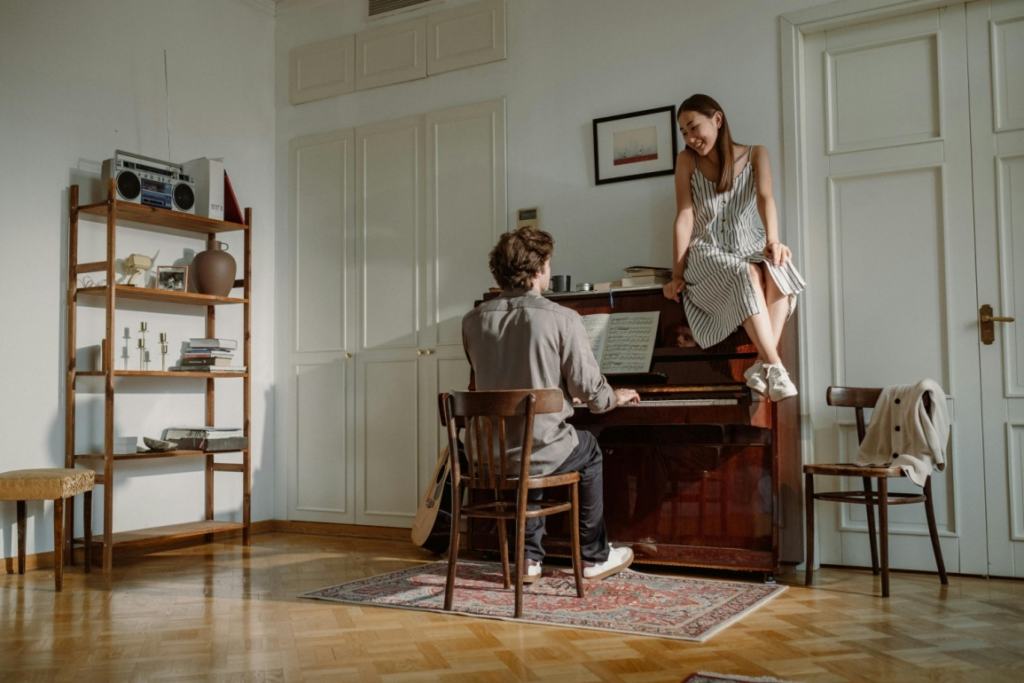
<point x="672" y="289"/>
<point x="778" y="253"/>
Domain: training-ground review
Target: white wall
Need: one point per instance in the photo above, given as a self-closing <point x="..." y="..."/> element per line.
<point x="569" y="62"/>
<point x="77" y="81"/>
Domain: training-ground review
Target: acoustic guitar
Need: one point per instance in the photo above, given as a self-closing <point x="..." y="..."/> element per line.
<point x="431" y="528"/>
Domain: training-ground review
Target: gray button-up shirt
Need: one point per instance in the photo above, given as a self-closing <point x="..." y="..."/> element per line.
<point x="520" y="340"/>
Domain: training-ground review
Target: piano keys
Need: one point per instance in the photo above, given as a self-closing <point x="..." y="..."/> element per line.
<point x="703" y="472"/>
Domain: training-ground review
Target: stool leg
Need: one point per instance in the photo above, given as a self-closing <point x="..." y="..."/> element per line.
<point x="934" y="531"/>
<point x="883" y="518"/>
<point x="58" y="544"/>
<point x="21" y="537"/>
<point x="809" y="504"/>
<point x="87" y="523"/>
<point x="869" y="497"/>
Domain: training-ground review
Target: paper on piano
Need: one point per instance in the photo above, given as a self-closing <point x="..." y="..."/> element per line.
<point x="622" y="342"/>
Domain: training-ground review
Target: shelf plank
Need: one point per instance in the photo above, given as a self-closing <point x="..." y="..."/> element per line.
<point x="159" y="454"/>
<point x="162" y="295"/>
<point x="158" y="373"/>
<point x="141" y="539"/>
<point x="161" y="218"/>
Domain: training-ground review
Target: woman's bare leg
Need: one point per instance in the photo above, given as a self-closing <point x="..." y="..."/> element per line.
<point x="778" y="304"/>
<point x="759" y="326"/>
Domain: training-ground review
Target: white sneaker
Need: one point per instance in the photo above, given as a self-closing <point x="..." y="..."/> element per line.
<point x="618" y="559"/>
<point x="779" y="384"/>
<point x="533" y="571"/>
<point x="756" y="379"/>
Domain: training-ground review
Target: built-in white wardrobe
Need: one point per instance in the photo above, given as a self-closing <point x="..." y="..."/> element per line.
<point x="390" y="229"/>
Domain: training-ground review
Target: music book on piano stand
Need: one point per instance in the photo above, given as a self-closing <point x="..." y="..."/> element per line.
<point x="622" y="342"/>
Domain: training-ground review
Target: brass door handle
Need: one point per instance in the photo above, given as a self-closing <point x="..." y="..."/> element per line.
<point x="985" y="322"/>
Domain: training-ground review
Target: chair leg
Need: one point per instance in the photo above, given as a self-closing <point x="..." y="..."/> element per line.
<point x="869" y="498"/>
<point x="58" y="544"/>
<point x="453" y="546"/>
<point x="883" y="519"/>
<point x="87" y="524"/>
<point x="69" y="537"/>
<point x="520" y="554"/>
<point x="21" y="537"/>
<point x="506" y="577"/>
<point x="934" y="531"/>
<point x="809" y="505"/>
<point x="577" y="558"/>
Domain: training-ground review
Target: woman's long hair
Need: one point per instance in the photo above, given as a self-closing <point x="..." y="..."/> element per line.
<point x="707" y="106"/>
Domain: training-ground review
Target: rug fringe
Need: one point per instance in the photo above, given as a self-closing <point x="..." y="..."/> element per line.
<point x="743" y="679"/>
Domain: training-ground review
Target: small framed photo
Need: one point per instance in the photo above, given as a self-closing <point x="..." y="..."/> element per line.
<point x="172" y="278"/>
<point x="638" y="145"/>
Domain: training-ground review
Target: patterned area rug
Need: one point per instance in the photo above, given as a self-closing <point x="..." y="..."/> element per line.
<point x="705" y="677"/>
<point x="629" y="602"/>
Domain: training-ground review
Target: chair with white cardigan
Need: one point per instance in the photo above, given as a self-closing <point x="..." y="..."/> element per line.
<point x="898" y="466"/>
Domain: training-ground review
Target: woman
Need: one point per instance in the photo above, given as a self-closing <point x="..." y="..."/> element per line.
<point x="730" y="269"/>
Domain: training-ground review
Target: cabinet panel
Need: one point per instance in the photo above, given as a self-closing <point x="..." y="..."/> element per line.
<point x="390" y="170"/>
<point x="321" y="181"/>
<point x="391" y="54"/>
<point x="323" y="476"/>
<point x="388" y="442"/>
<point x="466" y="36"/>
<point x="466" y="208"/>
<point x="321" y="70"/>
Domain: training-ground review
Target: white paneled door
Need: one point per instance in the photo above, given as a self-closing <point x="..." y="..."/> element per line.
<point x="892" y="270"/>
<point x="996" y="60"/>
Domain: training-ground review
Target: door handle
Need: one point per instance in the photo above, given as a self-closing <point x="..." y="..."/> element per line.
<point x="986" y="322"/>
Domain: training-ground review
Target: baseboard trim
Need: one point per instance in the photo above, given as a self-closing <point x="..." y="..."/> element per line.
<point x="45" y="560"/>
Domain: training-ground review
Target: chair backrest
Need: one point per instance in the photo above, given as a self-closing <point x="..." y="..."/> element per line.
<point x="861" y="398"/>
<point x="854" y="397"/>
<point x="490" y="418"/>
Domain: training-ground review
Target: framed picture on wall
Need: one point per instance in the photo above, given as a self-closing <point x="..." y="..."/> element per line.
<point x="637" y="145"/>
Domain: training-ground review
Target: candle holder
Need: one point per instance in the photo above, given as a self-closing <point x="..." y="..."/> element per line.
<point x="124" y="351"/>
<point x="143" y="326"/>
<point x="142" y="354"/>
<point x="163" y="354"/>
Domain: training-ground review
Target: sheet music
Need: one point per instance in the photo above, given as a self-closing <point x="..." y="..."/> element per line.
<point x="622" y="342"/>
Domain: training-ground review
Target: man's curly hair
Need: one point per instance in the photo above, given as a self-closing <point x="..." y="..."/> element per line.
<point x="519" y="255"/>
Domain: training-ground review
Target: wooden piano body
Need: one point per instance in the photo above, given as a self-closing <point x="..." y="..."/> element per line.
<point x="715" y="486"/>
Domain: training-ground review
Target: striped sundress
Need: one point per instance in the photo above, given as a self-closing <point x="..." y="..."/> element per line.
<point x="727" y="236"/>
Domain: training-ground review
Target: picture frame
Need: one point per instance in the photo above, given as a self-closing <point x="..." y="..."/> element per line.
<point x="641" y="144"/>
<point x="172" y="278"/>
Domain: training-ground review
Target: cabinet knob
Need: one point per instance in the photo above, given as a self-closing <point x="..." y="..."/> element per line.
<point x="420" y="352"/>
<point x="348" y="355"/>
<point x="430" y="351"/>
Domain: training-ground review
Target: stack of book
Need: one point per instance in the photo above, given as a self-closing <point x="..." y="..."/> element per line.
<point x="209" y="355"/>
<point x="643" y="276"/>
<point x="207" y="438"/>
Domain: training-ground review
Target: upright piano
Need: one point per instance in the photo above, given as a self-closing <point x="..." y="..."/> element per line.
<point x="704" y="472"/>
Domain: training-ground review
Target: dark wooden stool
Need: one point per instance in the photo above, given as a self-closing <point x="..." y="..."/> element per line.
<point x="860" y="399"/>
<point x="54" y="484"/>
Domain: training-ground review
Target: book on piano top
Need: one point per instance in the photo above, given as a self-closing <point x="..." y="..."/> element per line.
<point x="645" y="280"/>
<point x="622" y="342"/>
<point x="636" y="271"/>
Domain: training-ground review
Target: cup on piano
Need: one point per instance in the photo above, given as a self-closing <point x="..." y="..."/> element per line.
<point x="561" y="283"/>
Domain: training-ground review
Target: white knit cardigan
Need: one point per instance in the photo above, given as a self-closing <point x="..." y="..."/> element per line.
<point x="902" y="433"/>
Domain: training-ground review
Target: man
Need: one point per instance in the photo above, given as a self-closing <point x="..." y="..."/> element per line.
<point x="520" y="340"/>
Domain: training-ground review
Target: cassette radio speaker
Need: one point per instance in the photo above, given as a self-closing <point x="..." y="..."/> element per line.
<point x="152" y="182"/>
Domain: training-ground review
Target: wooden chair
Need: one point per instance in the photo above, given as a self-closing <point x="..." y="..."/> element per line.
<point x="860" y="399"/>
<point x="54" y="484"/>
<point x="488" y="418"/>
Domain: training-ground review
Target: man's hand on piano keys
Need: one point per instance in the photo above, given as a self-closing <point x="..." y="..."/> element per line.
<point x="624" y="396"/>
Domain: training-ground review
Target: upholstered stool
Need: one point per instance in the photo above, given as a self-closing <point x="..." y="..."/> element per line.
<point x="56" y="485"/>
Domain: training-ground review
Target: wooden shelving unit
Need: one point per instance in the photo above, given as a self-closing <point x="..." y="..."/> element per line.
<point x="124" y="215"/>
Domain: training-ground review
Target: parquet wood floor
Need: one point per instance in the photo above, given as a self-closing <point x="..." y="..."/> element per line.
<point x="219" y="612"/>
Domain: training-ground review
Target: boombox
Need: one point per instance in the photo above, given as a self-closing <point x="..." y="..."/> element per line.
<point x="141" y="180"/>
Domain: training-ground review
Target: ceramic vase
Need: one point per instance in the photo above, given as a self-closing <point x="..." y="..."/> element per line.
<point x="213" y="270"/>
